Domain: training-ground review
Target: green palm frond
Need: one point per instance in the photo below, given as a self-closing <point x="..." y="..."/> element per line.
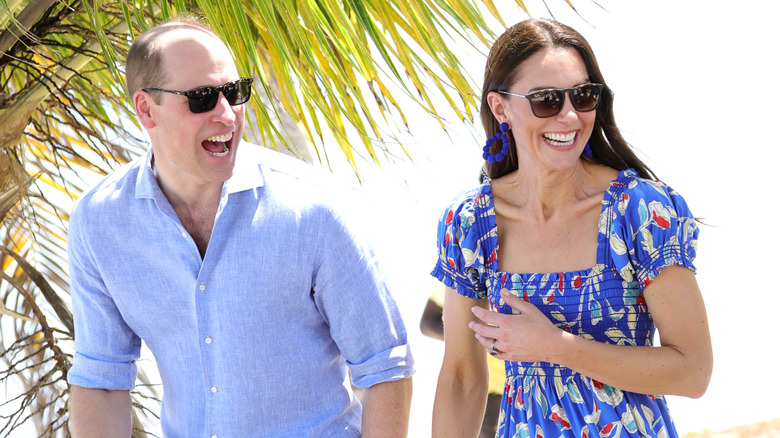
<point x="330" y="64"/>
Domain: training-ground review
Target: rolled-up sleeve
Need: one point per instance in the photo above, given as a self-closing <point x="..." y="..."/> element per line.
<point x="105" y="347"/>
<point x="353" y="297"/>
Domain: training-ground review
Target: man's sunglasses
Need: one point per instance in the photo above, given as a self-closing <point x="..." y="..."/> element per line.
<point x="549" y="102"/>
<point x="203" y="99"/>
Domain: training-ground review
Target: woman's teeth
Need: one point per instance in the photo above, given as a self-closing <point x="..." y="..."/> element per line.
<point x="560" y="139"/>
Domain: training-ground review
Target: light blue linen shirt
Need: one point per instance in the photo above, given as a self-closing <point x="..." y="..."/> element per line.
<point x="256" y="338"/>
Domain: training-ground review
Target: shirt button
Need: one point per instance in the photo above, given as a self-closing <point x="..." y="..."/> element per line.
<point x="214" y="389"/>
<point x="208" y="340"/>
<point x="202" y="287"/>
<point x="184" y="234"/>
<point x="213" y="436"/>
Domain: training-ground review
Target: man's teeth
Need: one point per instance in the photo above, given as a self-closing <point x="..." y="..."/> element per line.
<point x="224" y="152"/>
<point x="560" y="139"/>
<point x="224" y="137"/>
<point x="220" y="139"/>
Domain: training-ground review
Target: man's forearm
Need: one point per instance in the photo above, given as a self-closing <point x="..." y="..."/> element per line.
<point x="386" y="409"/>
<point x="99" y="413"/>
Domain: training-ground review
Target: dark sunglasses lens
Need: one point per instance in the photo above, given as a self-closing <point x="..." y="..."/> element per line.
<point x="203" y="99"/>
<point x="244" y="91"/>
<point x="546" y="103"/>
<point x="237" y="92"/>
<point x="586" y="97"/>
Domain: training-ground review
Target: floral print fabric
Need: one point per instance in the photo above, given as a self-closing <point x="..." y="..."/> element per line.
<point x="644" y="227"/>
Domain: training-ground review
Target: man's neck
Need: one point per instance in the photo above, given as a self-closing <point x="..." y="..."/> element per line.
<point x="191" y="197"/>
<point x="196" y="208"/>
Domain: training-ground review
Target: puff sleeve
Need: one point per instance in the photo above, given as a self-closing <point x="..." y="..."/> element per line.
<point x="652" y="228"/>
<point x="460" y="241"/>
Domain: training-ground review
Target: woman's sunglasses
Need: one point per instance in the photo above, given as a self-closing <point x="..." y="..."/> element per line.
<point x="549" y="102"/>
<point x="203" y="99"/>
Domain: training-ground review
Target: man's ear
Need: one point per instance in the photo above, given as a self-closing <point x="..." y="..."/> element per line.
<point x="145" y="108"/>
<point x="497" y="105"/>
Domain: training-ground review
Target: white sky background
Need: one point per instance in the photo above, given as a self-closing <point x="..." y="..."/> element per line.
<point x="693" y="94"/>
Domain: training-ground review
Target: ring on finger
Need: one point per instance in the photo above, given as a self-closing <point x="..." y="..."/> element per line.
<point x="492" y="349"/>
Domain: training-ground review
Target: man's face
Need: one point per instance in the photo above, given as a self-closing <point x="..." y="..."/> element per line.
<point x="195" y="151"/>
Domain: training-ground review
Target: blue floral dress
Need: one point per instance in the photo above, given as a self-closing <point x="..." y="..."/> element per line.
<point x="644" y="226"/>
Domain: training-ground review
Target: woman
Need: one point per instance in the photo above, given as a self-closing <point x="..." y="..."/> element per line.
<point x="578" y="254"/>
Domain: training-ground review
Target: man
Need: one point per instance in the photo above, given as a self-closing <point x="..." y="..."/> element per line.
<point x="251" y="292"/>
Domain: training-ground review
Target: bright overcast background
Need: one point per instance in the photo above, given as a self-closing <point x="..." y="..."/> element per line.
<point x="693" y="84"/>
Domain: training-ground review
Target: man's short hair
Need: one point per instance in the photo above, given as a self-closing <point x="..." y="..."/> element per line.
<point x="144" y="67"/>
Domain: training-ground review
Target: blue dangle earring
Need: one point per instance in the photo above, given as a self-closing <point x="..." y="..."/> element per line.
<point x="499" y="156"/>
<point x="587" y="152"/>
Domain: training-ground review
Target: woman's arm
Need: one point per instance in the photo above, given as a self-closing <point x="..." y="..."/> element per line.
<point x="681" y="365"/>
<point x="461" y="393"/>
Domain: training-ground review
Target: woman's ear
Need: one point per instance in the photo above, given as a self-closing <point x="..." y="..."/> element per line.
<point x="497" y="106"/>
<point x="144" y="108"/>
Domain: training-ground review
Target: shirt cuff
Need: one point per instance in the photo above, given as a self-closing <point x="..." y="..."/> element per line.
<point x="96" y="374"/>
<point x="392" y="364"/>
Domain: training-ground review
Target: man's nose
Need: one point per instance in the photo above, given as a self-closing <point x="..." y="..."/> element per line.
<point x="224" y="112"/>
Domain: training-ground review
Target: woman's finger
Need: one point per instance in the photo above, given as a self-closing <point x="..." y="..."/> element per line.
<point x="516" y="302"/>
<point x="486" y="331"/>
<point x="488" y="316"/>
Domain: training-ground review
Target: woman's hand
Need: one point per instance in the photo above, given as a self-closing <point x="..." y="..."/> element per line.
<point x="680" y="365"/>
<point x="526" y="336"/>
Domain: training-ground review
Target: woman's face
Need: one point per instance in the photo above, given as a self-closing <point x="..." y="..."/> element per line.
<point x="553" y="143"/>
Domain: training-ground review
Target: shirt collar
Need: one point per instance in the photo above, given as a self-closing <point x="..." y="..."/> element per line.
<point x="246" y="175"/>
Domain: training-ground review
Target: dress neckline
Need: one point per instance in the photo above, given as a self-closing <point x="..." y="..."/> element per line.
<point x="602" y="249"/>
